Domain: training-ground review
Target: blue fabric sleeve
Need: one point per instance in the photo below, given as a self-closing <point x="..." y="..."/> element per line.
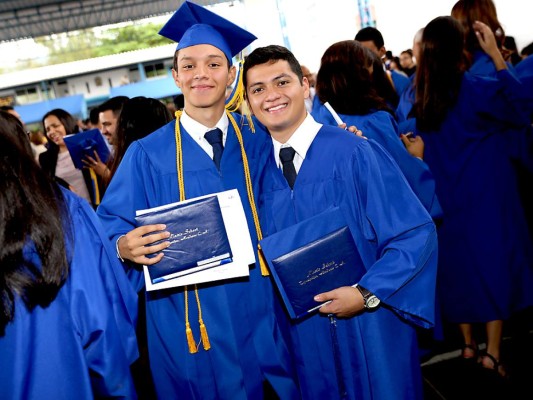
<point x="103" y="306"/>
<point x="401" y="234"/>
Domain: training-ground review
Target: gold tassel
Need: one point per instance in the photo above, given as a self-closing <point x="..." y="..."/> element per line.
<point x="248" y="115"/>
<point x="94" y="181"/>
<point x="188" y="331"/>
<point x="262" y="262"/>
<point x="190" y="339"/>
<point x="203" y="329"/>
<point x="236" y="97"/>
<point x="205" y="337"/>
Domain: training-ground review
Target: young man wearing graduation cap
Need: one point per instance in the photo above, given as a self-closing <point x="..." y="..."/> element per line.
<point x="327" y="168"/>
<point x="218" y="340"/>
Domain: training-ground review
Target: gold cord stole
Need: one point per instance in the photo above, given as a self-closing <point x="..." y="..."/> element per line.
<point x="193" y="347"/>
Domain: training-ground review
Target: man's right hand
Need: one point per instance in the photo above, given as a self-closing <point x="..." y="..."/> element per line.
<point x="135" y="245"/>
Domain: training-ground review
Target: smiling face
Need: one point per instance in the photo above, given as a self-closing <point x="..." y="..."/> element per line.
<point x="55" y="131"/>
<point x="202" y="74"/>
<point x="109" y="122"/>
<point x="276" y="97"/>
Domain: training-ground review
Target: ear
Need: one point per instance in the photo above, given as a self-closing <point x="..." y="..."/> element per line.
<point x="231" y="75"/>
<point x="176" y="78"/>
<point x="382" y="52"/>
<point x="305" y="84"/>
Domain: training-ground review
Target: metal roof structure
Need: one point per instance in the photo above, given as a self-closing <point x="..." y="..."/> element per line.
<point x="21" y="19"/>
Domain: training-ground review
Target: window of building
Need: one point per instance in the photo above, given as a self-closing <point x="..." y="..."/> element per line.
<point x="154" y="70"/>
<point x="27" y="95"/>
<point x="98" y="81"/>
<point x="47" y="91"/>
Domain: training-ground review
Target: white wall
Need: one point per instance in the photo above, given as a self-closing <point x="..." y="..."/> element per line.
<point x="77" y="85"/>
<point x="313" y="25"/>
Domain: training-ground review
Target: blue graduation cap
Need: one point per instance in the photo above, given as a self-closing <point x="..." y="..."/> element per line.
<point x="192" y="25"/>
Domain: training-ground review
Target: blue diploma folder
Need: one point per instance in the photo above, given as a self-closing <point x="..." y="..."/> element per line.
<point x="314" y="256"/>
<point x="198" y="238"/>
<point x="84" y="144"/>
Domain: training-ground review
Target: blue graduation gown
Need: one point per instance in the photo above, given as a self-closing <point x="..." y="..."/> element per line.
<point x="524" y="71"/>
<point x="381" y="127"/>
<point x="397" y="242"/>
<point x="405" y="105"/>
<point x="246" y="343"/>
<point x="400" y="81"/>
<point x="485" y="252"/>
<point x="83" y="343"/>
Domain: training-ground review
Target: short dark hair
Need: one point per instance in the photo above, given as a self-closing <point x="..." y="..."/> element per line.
<point x="370" y="34"/>
<point x="114" y="104"/>
<point x="93" y="115"/>
<point x="7" y="108"/>
<point x="528" y="50"/>
<point x="271" y="54"/>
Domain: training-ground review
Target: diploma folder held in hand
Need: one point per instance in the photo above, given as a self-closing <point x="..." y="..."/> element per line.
<point x="83" y="144"/>
<point x="314" y="256"/>
<point x="198" y="238"/>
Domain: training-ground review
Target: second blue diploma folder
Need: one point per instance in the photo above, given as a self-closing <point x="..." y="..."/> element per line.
<point x="314" y="256"/>
<point x="198" y="238"/>
<point x="85" y="144"/>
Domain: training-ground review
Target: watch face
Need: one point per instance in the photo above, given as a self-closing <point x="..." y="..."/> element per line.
<point x="372" y="302"/>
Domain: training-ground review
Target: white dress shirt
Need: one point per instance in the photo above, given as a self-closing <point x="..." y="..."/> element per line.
<point x="300" y="141"/>
<point x="197" y="131"/>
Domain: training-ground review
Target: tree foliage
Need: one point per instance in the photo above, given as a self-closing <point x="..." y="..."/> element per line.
<point x="84" y="44"/>
<point x="132" y="37"/>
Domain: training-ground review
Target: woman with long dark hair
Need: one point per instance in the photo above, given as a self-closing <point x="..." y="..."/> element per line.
<point x="467" y="12"/>
<point x="67" y="311"/>
<point x="473" y="133"/>
<point x="348" y="81"/>
<point x="139" y="117"/>
<point x="56" y="161"/>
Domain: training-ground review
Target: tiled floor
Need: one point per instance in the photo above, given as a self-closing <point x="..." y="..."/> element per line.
<point x="448" y="377"/>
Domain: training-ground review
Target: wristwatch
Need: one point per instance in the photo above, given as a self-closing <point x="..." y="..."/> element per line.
<point x="370" y="299"/>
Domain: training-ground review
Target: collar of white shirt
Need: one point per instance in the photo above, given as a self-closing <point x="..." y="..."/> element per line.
<point x="300" y="141"/>
<point x="197" y="131"/>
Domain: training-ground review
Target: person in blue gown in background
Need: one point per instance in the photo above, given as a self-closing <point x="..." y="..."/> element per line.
<point x="344" y="80"/>
<point x="407" y="99"/>
<point x="474" y="132"/>
<point x="67" y="316"/>
<point x="372" y="39"/>
<point x="393" y="232"/>
<point x="246" y="357"/>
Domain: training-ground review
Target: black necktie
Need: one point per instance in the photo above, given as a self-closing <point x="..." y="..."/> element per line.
<point x="286" y="155"/>
<point x="214" y="137"/>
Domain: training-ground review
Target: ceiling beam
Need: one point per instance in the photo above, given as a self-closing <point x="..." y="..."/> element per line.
<point x="30" y="19"/>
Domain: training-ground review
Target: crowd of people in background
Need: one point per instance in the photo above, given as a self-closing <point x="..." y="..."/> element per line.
<point x="428" y="153"/>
